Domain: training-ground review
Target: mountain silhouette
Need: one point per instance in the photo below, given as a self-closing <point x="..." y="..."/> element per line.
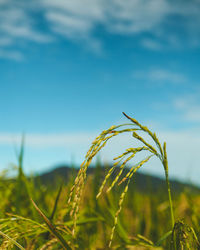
<point x="142" y="182"/>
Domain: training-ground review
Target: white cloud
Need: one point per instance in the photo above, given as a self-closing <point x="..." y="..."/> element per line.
<point x="75" y="28"/>
<point x="183" y="150"/>
<point x="164" y="75"/>
<point x="182" y="147"/>
<point x="172" y="23"/>
<point x="75" y="20"/>
<point x="68" y="25"/>
<point x="189" y="107"/>
<point x="12" y="54"/>
<point x="152" y="44"/>
<point x="88" y="9"/>
<point x="2" y="2"/>
<point x="157" y="17"/>
<point x="135" y="16"/>
<point x="160" y="75"/>
<point x="193" y="115"/>
<point x="18" y="24"/>
<point x="24" y="32"/>
<point x="46" y="140"/>
<point x="5" y="41"/>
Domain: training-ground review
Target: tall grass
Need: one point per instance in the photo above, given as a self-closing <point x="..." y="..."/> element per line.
<point x="80" y="215"/>
<point x="157" y="151"/>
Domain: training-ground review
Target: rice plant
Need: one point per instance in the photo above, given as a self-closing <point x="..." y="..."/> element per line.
<point x="80" y="214"/>
<point x="158" y="151"/>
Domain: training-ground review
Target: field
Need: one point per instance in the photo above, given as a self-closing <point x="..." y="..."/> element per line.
<point x="102" y="210"/>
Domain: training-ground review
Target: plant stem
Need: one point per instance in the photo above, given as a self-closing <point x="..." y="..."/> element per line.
<point x="165" y="164"/>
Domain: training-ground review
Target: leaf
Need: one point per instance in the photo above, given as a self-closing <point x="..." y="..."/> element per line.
<point x="56" y="202"/>
<point x="164" y="237"/>
<point x="52" y="228"/>
<point x="12" y="240"/>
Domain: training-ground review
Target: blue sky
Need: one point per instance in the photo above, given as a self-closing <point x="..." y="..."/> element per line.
<point x="69" y="68"/>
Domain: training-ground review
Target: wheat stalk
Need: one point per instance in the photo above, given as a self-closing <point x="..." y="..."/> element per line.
<point x="98" y="144"/>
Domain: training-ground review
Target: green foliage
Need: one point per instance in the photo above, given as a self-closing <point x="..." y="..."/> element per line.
<point x="69" y="215"/>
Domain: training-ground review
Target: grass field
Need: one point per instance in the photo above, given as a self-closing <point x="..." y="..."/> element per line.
<point x="99" y="211"/>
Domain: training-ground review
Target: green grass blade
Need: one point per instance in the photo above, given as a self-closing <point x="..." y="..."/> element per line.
<point x="52" y="228"/>
<point x="56" y="202"/>
<point x="12" y="240"/>
<point x="164" y="237"/>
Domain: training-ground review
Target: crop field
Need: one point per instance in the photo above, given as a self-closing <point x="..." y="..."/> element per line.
<point x="103" y="210"/>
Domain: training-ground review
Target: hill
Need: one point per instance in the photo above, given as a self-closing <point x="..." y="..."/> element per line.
<point x="143" y="182"/>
